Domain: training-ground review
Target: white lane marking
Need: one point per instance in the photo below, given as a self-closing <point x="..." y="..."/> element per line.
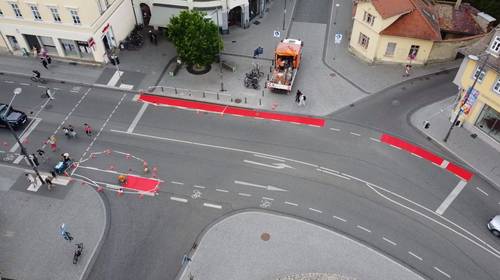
<point x="268" y="187"/>
<point x="334" y="174"/>
<point x="375" y="139"/>
<point x="177" y="183"/>
<point x="274" y="165"/>
<point x="415" y="255"/>
<point x="480" y="243"/>
<point x="114" y="79"/>
<point x="138" y="117"/>
<point x="355" y="134"/>
<point x="483" y="192"/>
<point x="413" y="154"/>
<point x="396" y="147"/>
<point x="212" y="205"/>
<point x="363" y="228"/>
<point x="183" y="200"/>
<point x="222" y="190"/>
<point x="24" y="84"/>
<point x="352" y="177"/>
<point x="389" y="241"/>
<point x="210" y="146"/>
<point x="126" y="86"/>
<point x="199" y="187"/>
<point x="334" y="129"/>
<point x="244" y="194"/>
<point x="267" y="198"/>
<point x="444" y="164"/>
<point x="451" y="197"/>
<point x="268" y="157"/>
<point x="25" y="135"/>
<point x="291" y="203"/>
<point x="9" y="82"/>
<point x="339" y="218"/>
<point x="315" y="210"/>
<point x="442" y="272"/>
<point x="41" y="86"/>
<point x="328" y="169"/>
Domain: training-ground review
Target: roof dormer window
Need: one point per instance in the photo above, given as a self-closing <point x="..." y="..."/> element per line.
<point x="495" y="45"/>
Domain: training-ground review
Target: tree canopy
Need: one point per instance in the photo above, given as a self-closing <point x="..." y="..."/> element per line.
<point x="195" y="38"/>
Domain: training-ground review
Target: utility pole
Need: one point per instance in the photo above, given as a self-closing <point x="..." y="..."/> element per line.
<point x="220" y="57"/>
<point x="284" y="15"/>
<point x="467" y="94"/>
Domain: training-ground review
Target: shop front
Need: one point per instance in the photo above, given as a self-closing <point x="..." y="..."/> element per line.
<point x="489" y="122"/>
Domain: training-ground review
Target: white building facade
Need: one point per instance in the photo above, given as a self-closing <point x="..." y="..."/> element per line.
<point x="224" y="13"/>
<point x="80" y="30"/>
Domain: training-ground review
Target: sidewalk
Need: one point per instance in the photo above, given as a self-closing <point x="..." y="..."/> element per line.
<point x="31" y="246"/>
<point x="259" y="245"/>
<point x="480" y="156"/>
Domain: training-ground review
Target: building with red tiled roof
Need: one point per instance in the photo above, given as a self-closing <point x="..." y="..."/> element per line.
<point x="414" y="31"/>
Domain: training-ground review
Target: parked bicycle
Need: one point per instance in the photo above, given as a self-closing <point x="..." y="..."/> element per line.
<point x="253" y="77"/>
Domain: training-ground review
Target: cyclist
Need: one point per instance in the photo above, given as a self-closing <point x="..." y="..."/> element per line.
<point x="36" y="74"/>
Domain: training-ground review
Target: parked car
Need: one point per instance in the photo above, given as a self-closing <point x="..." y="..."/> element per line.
<point x="494" y="225"/>
<point x="15" y="118"/>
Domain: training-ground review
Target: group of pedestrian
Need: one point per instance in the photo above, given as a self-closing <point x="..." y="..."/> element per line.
<point x="300" y="98"/>
<point x="45" y="59"/>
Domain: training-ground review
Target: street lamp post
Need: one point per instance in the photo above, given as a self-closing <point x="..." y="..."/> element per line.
<point x="467" y="94"/>
<point x="284" y="15"/>
<point x="17" y="91"/>
<point x="220" y="58"/>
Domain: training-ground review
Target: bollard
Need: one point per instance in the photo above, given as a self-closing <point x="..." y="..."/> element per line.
<point x="231" y="99"/>
<point x="268" y="77"/>
<point x="262" y="93"/>
<point x="161" y="88"/>
<point x="203" y="94"/>
<point x="189" y="92"/>
<point x="260" y="102"/>
<point x="175" y="90"/>
<point x="270" y="69"/>
<point x="245" y="100"/>
<point x="217" y="96"/>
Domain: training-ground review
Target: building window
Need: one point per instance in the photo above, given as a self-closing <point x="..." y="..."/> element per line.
<point x="16" y="10"/>
<point x="391" y="48"/>
<point x="103" y="5"/>
<point x="479" y="75"/>
<point x="55" y="14"/>
<point x="412" y="54"/>
<point x="363" y="40"/>
<point x="496" y="86"/>
<point x="36" y="13"/>
<point x="69" y="47"/>
<point x="495" y="46"/>
<point x="13" y="43"/>
<point x="489" y="122"/>
<point x="75" y="16"/>
<point x="369" y="18"/>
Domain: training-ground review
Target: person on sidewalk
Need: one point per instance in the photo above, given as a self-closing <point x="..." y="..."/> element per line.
<point x="30" y="179"/>
<point x="302" y="100"/>
<point x="52" y="141"/>
<point x="407" y="70"/>
<point x="297" y="96"/>
<point x="41" y="154"/>
<point x="48" y="181"/>
<point x="88" y="129"/>
<point x="44" y="63"/>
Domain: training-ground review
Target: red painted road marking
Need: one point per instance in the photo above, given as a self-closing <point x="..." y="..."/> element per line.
<point x="453" y="168"/>
<point x="230" y="110"/>
<point x="141" y="184"/>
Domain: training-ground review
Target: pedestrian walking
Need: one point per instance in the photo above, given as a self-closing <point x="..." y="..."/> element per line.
<point x="302" y="100"/>
<point x="48" y="182"/>
<point x="44" y="63"/>
<point x="49" y="59"/>
<point x="65" y="157"/>
<point x="34" y="159"/>
<point x="88" y="129"/>
<point x="297" y="96"/>
<point x="52" y="141"/>
<point x="41" y="154"/>
<point x="407" y="70"/>
<point x="64" y="233"/>
<point x="30" y="179"/>
<point x="49" y="94"/>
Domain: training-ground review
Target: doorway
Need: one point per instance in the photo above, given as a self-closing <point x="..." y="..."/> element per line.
<point x="33" y="42"/>
<point x="146" y="14"/>
<point x="234" y="16"/>
<point x="253" y="8"/>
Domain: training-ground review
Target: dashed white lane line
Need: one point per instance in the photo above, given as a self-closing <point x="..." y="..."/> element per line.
<point x="222" y="190"/>
<point x="24" y="84"/>
<point x="315" y="210"/>
<point x="363" y="228"/>
<point x="244" y="194"/>
<point x="451" y="197"/>
<point x="216" y="206"/>
<point x="355" y="134"/>
<point x="415" y="256"/>
<point x="328" y="169"/>
<point x="483" y="192"/>
<point x="9" y="82"/>
<point x="177" y="183"/>
<point x="267" y="198"/>
<point x="183" y="200"/>
<point x="389" y="241"/>
<point x="137" y="117"/>
<point x="396" y="147"/>
<point x="375" y="139"/>
<point x="268" y="157"/>
<point x="333" y="173"/>
<point x="199" y="187"/>
<point x="41" y="86"/>
<point x="291" y="203"/>
<point x="442" y="272"/>
<point x="334" y="129"/>
<point x="340" y="219"/>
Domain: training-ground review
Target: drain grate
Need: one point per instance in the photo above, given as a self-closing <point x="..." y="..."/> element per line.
<point x="237" y="100"/>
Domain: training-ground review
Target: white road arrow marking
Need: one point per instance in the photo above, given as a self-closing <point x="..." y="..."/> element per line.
<point x="268" y="187"/>
<point x="274" y="165"/>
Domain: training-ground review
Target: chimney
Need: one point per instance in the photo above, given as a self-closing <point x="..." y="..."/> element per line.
<point x="457" y="4"/>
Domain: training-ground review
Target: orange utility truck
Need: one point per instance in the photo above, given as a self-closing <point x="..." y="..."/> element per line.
<point x="286" y="63"/>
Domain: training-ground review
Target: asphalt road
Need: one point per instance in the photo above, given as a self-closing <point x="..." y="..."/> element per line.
<point x="338" y="176"/>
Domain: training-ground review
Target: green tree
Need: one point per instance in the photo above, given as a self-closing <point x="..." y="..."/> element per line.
<point x="195" y="38"/>
<point x="491" y="7"/>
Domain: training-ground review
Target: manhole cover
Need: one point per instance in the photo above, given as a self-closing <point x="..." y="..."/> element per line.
<point x="265" y="236"/>
<point x="237" y="100"/>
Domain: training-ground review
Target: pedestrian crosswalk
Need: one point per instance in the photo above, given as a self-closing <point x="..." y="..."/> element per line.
<point x="35" y="183"/>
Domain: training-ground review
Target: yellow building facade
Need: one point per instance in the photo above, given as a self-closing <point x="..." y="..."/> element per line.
<point x="84" y="30"/>
<point x="479" y="103"/>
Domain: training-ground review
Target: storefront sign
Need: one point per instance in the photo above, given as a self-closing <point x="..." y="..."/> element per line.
<point x="105" y="29"/>
<point x="471" y="100"/>
<point x="91" y="42"/>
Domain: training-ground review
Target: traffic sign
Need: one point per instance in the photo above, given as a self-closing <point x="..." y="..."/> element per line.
<point x="338" y="38"/>
<point x="276" y="34"/>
